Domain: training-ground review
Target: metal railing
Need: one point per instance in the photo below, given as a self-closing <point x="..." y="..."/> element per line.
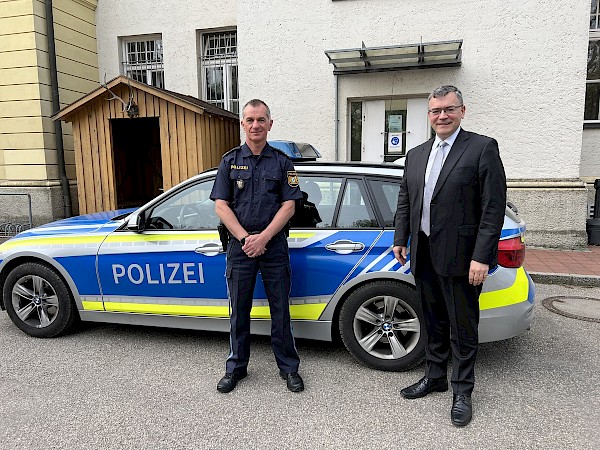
<point x="8" y="229"/>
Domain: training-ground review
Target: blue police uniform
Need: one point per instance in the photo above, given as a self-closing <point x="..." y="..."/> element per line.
<point x="255" y="187"/>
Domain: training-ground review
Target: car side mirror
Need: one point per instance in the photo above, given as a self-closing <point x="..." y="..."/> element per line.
<point x="136" y="222"/>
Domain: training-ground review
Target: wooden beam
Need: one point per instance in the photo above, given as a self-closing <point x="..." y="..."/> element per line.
<point x="165" y="151"/>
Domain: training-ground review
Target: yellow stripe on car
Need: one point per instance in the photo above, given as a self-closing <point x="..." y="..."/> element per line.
<point x="159" y="237"/>
<point x="92" y="306"/>
<point x="46" y="242"/>
<point x="306" y="312"/>
<point x="516" y="293"/>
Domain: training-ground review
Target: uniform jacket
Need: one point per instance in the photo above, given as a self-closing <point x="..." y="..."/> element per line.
<point x="256" y="187"/>
<point x="467" y="205"/>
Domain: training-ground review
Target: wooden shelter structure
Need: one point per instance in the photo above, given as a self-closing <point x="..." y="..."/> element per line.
<point x="133" y="140"/>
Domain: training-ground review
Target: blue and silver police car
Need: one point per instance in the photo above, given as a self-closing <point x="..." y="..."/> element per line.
<point x="163" y="265"/>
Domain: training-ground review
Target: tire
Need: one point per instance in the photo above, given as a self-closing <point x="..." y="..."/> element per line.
<point x="393" y="344"/>
<point x="38" y="301"/>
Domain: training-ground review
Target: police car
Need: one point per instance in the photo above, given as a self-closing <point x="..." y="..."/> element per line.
<point x="163" y="265"/>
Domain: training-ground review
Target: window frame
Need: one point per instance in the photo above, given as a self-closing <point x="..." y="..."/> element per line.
<point x="594" y="35"/>
<point x="128" y="67"/>
<point x="228" y="62"/>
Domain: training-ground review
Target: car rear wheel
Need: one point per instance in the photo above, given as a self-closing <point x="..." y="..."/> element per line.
<point x="381" y="325"/>
<point x="38" y="301"/>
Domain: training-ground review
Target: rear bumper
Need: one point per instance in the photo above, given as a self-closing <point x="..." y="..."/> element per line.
<point x="496" y="324"/>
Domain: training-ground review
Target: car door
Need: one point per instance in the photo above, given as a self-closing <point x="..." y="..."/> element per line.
<point x="175" y="266"/>
<point x="332" y="231"/>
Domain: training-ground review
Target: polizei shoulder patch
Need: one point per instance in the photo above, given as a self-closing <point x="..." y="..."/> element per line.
<point x="292" y="178"/>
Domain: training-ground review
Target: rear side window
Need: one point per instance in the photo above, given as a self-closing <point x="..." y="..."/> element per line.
<point x="317" y="207"/>
<point x="386" y="198"/>
<point x="355" y="212"/>
<point x="324" y="195"/>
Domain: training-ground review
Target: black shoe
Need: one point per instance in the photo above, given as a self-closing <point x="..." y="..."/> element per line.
<point x="425" y="386"/>
<point x="229" y="381"/>
<point x="294" y="381"/>
<point x="462" y="410"/>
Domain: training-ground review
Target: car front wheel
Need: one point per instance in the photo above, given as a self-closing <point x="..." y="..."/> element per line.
<point x="38" y="301"/>
<point x="381" y="325"/>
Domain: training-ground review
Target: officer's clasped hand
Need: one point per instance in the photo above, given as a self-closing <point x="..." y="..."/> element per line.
<point x="255" y="245"/>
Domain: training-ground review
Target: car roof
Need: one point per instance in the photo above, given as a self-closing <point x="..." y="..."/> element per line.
<point x="355" y="167"/>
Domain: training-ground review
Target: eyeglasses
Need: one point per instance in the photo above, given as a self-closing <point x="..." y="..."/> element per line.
<point x="447" y="110"/>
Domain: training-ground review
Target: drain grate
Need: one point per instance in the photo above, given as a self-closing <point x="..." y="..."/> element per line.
<point x="580" y="308"/>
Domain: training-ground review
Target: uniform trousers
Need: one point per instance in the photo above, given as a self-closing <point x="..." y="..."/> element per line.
<point x="241" y="274"/>
<point x="451" y="310"/>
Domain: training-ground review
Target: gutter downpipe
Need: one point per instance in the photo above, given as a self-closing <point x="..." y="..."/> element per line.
<point x="60" y="151"/>
<point x="337" y="120"/>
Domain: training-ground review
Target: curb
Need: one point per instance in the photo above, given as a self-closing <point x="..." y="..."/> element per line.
<point x="565" y="278"/>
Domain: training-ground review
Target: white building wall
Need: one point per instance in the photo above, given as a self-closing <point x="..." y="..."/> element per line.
<point x="523" y="71"/>
<point x="176" y="20"/>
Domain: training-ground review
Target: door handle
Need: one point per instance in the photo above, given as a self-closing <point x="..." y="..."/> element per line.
<point x="345" y="247"/>
<point x="210" y="249"/>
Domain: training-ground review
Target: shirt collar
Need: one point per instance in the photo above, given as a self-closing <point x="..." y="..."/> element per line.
<point x="450" y="140"/>
<point x="267" y="151"/>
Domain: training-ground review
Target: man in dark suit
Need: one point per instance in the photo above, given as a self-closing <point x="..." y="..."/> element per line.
<point x="451" y="203"/>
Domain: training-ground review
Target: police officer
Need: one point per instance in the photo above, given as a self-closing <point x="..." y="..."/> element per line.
<point x="255" y="193"/>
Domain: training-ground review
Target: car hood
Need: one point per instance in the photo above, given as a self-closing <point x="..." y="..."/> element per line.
<point x="87" y="223"/>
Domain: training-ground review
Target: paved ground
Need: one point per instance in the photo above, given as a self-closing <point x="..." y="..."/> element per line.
<point x="113" y="387"/>
<point x="579" y="267"/>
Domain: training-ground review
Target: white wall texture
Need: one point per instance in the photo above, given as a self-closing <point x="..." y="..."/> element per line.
<point x="523" y="71"/>
<point x="522" y="75"/>
<point x="177" y="21"/>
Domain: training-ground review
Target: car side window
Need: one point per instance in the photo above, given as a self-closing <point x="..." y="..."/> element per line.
<point x="386" y="198"/>
<point x="316" y="208"/>
<point x="189" y="209"/>
<point x="355" y="211"/>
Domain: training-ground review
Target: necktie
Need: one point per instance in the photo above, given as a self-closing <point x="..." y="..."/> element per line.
<point x="436" y="168"/>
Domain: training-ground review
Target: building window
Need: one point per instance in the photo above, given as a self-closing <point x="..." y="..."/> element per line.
<point x="592" y="88"/>
<point x="143" y="60"/>
<point x="595" y="15"/>
<point x="220" y="70"/>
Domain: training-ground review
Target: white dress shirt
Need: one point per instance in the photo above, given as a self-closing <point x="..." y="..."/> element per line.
<point x="434" y="149"/>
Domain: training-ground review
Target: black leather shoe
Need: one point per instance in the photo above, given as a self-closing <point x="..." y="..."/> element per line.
<point x="293" y="380"/>
<point x="425" y="386"/>
<point x="229" y="382"/>
<point x="462" y="410"/>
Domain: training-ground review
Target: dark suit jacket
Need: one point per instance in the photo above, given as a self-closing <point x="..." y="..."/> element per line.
<point x="467" y="206"/>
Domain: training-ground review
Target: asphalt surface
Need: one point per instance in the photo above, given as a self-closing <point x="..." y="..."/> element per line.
<point x="114" y="386"/>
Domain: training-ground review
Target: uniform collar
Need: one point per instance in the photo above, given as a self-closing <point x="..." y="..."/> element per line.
<point x="267" y="151"/>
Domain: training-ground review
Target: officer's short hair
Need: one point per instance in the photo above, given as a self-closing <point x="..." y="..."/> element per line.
<point x="257" y="102"/>
<point x="442" y="91"/>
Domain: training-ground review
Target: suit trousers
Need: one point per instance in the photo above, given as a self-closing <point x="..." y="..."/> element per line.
<point x="241" y="273"/>
<point x="451" y="309"/>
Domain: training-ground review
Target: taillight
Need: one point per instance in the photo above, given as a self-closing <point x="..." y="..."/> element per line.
<point x="511" y="252"/>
